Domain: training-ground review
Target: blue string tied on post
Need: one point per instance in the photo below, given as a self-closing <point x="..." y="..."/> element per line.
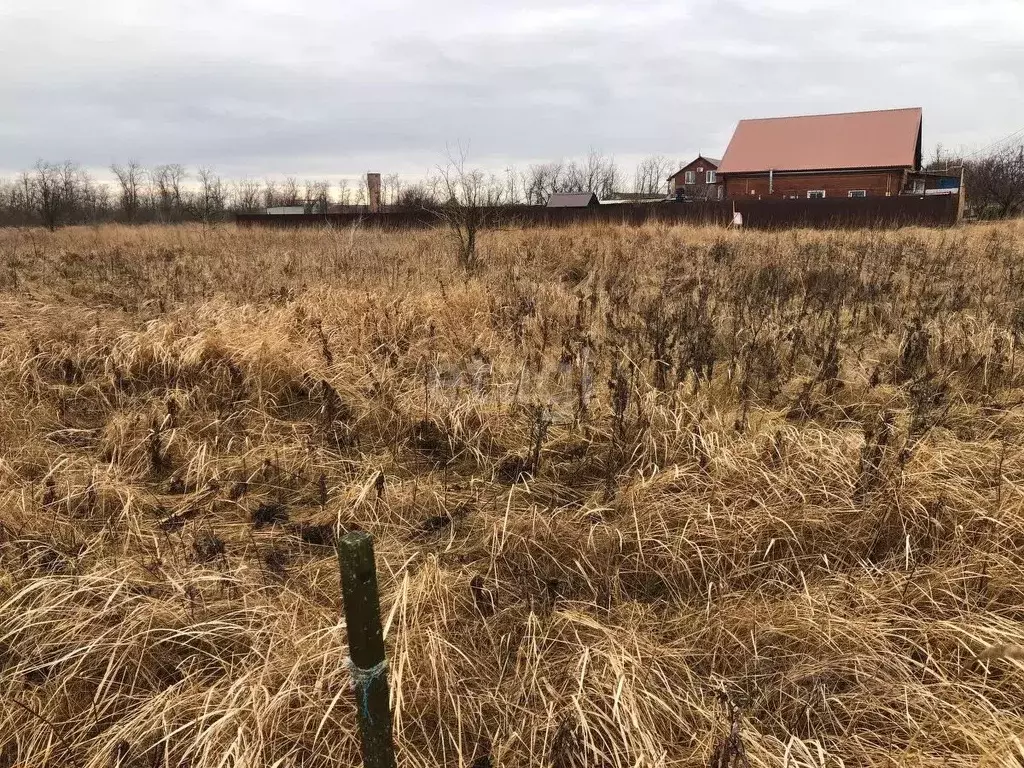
<point x="362" y="679"/>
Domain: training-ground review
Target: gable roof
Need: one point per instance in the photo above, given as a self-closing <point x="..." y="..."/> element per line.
<point x="709" y="160"/>
<point x="882" y="139"/>
<point x="572" y="200"/>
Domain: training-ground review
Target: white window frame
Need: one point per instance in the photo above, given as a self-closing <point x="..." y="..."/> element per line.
<point x="812" y="194"/>
<point x="857" y="193"/>
<point x="711" y="177"/>
<point x="689" y="177"/>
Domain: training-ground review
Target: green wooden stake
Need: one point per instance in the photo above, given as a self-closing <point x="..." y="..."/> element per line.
<point x="366" y="648"/>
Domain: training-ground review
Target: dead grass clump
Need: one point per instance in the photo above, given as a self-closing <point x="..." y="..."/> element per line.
<point x="640" y="496"/>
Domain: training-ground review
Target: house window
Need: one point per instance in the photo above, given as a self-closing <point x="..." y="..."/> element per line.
<point x="712" y="177"/>
<point x="690" y="177"/>
<point x="815" y="193"/>
<point x="857" y="193"/>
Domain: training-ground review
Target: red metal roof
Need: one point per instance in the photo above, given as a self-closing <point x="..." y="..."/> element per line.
<point x="883" y="139"/>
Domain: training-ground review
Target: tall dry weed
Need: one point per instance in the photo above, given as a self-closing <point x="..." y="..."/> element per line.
<point x="648" y="496"/>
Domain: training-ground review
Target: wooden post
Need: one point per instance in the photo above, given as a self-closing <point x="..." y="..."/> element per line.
<point x="366" y="648"/>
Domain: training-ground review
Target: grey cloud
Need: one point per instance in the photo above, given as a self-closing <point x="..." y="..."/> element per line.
<point x="312" y="89"/>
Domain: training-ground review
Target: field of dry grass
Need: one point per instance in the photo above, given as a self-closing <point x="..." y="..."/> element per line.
<point x="654" y="496"/>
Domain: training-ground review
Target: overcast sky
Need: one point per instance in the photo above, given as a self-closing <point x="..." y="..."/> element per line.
<point x="329" y="89"/>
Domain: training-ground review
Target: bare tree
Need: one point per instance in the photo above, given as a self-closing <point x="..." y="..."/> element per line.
<point x="390" y="189"/>
<point x="512" y="192"/>
<point x="247" y="194"/>
<point x="594" y="173"/>
<point x="417" y="196"/>
<point x="995" y="182"/>
<point x="162" y="191"/>
<point x="94" y="200"/>
<point x="608" y="179"/>
<point x="177" y="175"/>
<point x="271" y="196"/>
<point x="131" y="178"/>
<point x="467" y="197"/>
<point x="650" y="175"/>
<point x="211" y="198"/>
<point x="18" y="202"/>
<point x="290" y="192"/>
<point x="941" y="160"/>
<point x="318" y="195"/>
<point x="532" y="183"/>
<point x="544" y="180"/>
<point x="46" y="194"/>
<point x="28" y="191"/>
<point x="167" y="182"/>
<point x="72" y="181"/>
<point x="56" y="189"/>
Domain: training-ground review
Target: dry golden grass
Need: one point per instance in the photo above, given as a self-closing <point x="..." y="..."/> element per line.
<point x="654" y="496"/>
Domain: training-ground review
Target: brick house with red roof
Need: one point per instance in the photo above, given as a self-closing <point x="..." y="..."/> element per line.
<point x="855" y="154"/>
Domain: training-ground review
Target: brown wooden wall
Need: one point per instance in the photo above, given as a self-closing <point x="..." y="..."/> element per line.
<point x="754" y="186"/>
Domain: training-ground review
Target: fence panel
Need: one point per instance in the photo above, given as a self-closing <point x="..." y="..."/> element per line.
<point x="880" y="212"/>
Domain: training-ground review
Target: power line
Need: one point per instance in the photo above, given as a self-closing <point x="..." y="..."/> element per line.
<point x="994" y="144"/>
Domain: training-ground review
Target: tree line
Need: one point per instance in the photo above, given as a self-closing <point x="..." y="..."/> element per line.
<point x="55" y="194"/>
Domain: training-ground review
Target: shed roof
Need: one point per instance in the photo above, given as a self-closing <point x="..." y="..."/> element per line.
<point x="632" y="197"/>
<point x="572" y="200"/>
<point x="881" y="139"/>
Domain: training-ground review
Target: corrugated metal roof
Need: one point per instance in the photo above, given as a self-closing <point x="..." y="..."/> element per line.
<point x="632" y="197"/>
<point x="648" y="200"/>
<point x="572" y="200"/>
<point x="882" y="139"/>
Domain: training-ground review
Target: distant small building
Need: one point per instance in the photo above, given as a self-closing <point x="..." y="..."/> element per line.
<point x="632" y="197"/>
<point x="697" y="179"/>
<point x="573" y="200"/>
<point x="292" y="210"/>
<point x="286" y="210"/>
<point x="934" y="183"/>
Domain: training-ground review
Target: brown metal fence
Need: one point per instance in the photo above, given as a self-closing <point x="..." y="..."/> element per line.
<point x="931" y="211"/>
<point x="880" y="212"/>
